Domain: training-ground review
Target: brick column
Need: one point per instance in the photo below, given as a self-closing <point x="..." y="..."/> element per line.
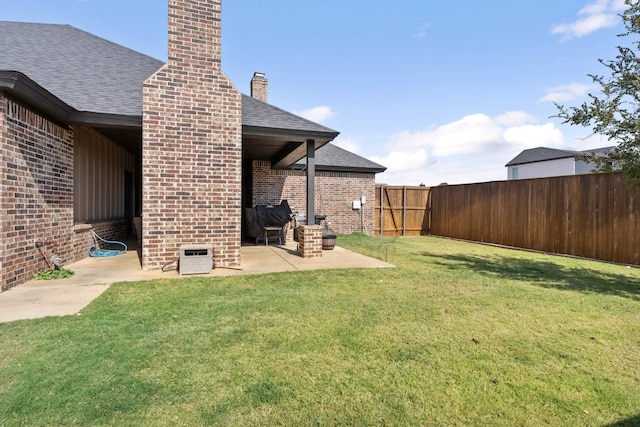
<point x="192" y="144"/>
<point x="310" y="241"/>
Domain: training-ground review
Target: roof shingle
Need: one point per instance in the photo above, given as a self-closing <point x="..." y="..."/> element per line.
<point x="331" y="157"/>
<point x="541" y="154"/>
<point x="86" y="72"/>
<point x="259" y="114"/>
<point x="91" y="74"/>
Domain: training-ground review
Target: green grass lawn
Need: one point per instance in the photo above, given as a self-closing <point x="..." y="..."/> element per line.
<point x="457" y="334"/>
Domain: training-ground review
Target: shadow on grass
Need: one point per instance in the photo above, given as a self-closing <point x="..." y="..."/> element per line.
<point x="633" y="421"/>
<point x="544" y="273"/>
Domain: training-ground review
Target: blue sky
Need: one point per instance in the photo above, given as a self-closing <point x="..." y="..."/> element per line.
<point x="436" y="91"/>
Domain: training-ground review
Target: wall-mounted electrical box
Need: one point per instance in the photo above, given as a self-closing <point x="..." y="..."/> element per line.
<point x="356" y="205"/>
<point x="363" y="200"/>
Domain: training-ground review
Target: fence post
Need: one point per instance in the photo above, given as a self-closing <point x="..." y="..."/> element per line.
<point x="404" y="211"/>
<point x="381" y="209"/>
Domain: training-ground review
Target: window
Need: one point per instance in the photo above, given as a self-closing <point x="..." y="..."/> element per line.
<point x="514" y="173"/>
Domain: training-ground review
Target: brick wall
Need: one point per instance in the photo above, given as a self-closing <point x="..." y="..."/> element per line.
<point x="192" y="144"/>
<point x="335" y="192"/>
<point x="37" y="192"/>
<point x="3" y="213"/>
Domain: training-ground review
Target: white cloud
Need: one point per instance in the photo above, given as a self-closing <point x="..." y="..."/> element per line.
<point x="585" y="139"/>
<point x="588" y="25"/>
<point x="599" y="6"/>
<point x="603" y="6"/>
<point x="529" y="136"/>
<point x="595" y="16"/>
<point x="317" y="114"/>
<point x="618" y="6"/>
<point x="404" y="161"/>
<point x="348" y="144"/>
<point x="474" y="148"/>
<point x="514" y="118"/>
<point x="471" y="134"/>
<point x="422" y="31"/>
<point x="565" y="93"/>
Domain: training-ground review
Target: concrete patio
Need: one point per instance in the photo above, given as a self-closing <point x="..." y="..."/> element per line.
<point x="38" y="298"/>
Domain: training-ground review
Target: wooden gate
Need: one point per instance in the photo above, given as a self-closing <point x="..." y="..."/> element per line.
<point x="402" y="210"/>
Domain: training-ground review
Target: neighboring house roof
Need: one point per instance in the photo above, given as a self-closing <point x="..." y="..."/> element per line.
<point x="96" y="81"/>
<point x="542" y="154"/>
<point x="330" y="157"/>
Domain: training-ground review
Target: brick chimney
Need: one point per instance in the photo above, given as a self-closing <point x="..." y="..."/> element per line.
<point x="260" y="87"/>
<point x="192" y="143"/>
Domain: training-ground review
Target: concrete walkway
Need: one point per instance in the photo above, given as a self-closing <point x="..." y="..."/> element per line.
<point x="42" y="298"/>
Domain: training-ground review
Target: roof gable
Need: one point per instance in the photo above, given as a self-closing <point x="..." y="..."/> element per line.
<point x="542" y="154"/>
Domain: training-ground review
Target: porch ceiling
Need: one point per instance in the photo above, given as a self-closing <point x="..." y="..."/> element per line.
<point x="271" y="133"/>
<point x="130" y="139"/>
<point x="280" y="152"/>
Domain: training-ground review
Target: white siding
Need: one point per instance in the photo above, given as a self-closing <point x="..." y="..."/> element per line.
<point x="583" y="167"/>
<point x="547" y="168"/>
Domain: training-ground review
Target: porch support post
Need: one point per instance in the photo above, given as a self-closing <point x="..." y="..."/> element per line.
<point x="311" y="184"/>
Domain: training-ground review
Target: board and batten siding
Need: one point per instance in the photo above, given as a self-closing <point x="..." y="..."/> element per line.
<point x="99" y="181"/>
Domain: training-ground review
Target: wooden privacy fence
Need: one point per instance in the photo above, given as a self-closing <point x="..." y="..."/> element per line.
<point x="593" y="216"/>
<point x="401" y="210"/>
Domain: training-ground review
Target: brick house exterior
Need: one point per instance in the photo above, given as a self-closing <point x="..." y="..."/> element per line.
<point x="334" y="195"/>
<point x="175" y="143"/>
<point x="341" y="178"/>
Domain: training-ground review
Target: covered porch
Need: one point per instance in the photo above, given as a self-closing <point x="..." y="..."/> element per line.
<point x="269" y="135"/>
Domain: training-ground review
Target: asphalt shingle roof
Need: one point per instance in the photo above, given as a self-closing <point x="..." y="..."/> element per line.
<point x="86" y="72"/>
<point x="331" y="157"/>
<point x="260" y="114"/>
<point x="541" y="154"/>
<point x="91" y="74"/>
